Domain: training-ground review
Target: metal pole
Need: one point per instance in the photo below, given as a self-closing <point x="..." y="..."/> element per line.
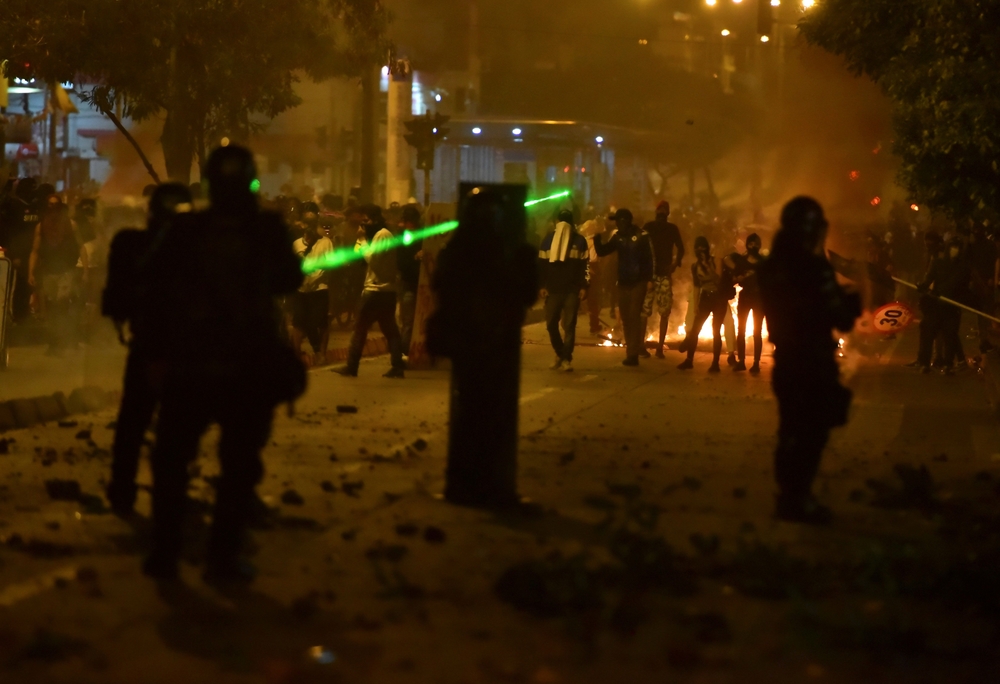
<point x="948" y="301"/>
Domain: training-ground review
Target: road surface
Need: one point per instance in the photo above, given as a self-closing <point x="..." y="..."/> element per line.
<point x="649" y="554"/>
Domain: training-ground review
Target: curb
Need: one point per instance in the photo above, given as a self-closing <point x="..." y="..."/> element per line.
<point x="18" y="414"/>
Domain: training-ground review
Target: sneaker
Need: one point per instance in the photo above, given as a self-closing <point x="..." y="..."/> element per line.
<point x="714" y="368"/>
<point x="645" y="353"/>
<point x="947" y="370"/>
<point x="160" y="567"/>
<point x="567" y="367"/>
<point x="557" y="365"/>
<point x="659" y="353"/>
<point x="807" y="512"/>
<point x="394" y="373"/>
<point x="731" y="359"/>
<point x="631" y="361"/>
<point x="740" y="366"/>
<point x="686" y="364"/>
<point x="346" y="371"/>
<point x="755" y="369"/>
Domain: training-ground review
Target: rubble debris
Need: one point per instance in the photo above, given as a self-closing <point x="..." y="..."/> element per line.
<point x="327" y="486"/>
<point x="434" y="535"/>
<point x="67" y="423"/>
<point x="290" y="497"/>
<point x="333" y="458"/>
<point x="306" y="607"/>
<point x="295" y="522"/>
<point x="567" y="458"/>
<point x="391" y="498"/>
<point x="5" y="446"/>
<point x="917" y="489"/>
<point x="352" y="488"/>
<point x="551" y="587"/>
<point x="349" y="535"/>
<point x="407" y="530"/>
<point x="420" y="444"/>
<point x="705" y="545"/>
<point x="63" y="490"/>
<point x="83" y="434"/>
<point x="345" y="408"/>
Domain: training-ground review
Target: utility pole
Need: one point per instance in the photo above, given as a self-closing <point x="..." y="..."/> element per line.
<point x="397" y="156"/>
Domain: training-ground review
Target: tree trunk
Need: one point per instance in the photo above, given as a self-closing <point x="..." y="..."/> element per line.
<point x="178" y="147"/>
<point x="369" y="132"/>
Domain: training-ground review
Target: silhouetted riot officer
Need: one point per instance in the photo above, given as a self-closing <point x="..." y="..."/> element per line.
<point x="485" y="282"/>
<point x="804" y="304"/>
<point x="120" y="302"/>
<point x="214" y="322"/>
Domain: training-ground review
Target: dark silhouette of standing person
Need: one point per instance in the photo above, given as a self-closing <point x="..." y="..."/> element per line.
<point x="746" y="276"/>
<point x="214" y="321"/>
<point x="120" y="303"/>
<point x="804" y="304"/>
<point x="635" y="274"/>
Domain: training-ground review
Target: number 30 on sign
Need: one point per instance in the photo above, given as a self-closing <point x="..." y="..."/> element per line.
<point x="892" y="318"/>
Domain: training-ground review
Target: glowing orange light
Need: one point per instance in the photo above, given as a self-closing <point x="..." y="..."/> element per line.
<point x="854" y="175"/>
<point x="876" y="201"/>
<point x="914" y="207"/>
<point x="566" y="169"/>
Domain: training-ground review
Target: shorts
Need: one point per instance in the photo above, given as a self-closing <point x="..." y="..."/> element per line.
<point x="663" y="294"/>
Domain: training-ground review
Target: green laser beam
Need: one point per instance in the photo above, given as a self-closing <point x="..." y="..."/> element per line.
<point x="558" y="195"/>
<point x="346" y="255"/>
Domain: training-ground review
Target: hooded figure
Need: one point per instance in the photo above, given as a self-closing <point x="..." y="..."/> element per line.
<point x="716" y="289"/>
<point x="804" y="305"/>
<point x="747" y="266"/>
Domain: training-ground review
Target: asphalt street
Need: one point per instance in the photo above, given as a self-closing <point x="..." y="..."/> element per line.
<point x="648" y="552"/>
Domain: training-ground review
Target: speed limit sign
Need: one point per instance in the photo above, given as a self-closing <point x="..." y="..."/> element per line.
<point x="892" y="317"/>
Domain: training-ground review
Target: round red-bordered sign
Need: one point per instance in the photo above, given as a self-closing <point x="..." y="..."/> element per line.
<point x="892" y="318"/>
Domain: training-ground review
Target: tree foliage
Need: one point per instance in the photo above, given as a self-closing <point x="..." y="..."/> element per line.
<point x="213" y="67"/>
<point x="937" y="61"/>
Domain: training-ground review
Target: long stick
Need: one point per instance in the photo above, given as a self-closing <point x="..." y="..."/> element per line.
<point x="948" y="301"/>
<point x="128" y="136"/>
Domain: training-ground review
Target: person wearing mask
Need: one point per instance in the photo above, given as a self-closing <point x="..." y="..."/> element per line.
<point x="668" y="253"/>
<point x="562" y="269"/>
<point x="311" y="305"/>
<point x="18" y="220"/>
<point x="217" y="356"/>
<point x="746" y="277"/>
<point x="410" y="257"/>
<point x="378" y="301"/>
<point x="804" y="304"/>
<point x="635" y="273"/>
<point x="52" y="267"/>
<point x="949" y="276"/>
<point x="120" y="302"/>
<point x="595" y="286"/>
<point x="715" y="290"/>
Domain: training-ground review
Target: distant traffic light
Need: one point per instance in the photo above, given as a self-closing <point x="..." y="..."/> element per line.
<point x="424" y="134"/>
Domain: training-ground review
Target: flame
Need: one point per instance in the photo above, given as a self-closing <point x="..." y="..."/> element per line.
<point x="706" y="331"/>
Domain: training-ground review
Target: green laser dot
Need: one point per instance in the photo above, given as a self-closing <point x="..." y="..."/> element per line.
<point x="255" y="186"/>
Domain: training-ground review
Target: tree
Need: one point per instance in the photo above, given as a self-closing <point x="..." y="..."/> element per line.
<point x="214" y="68"/>
<point x="937" y="62"/>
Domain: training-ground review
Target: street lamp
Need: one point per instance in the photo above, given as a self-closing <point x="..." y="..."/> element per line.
<point x="725" y="32"/>
<point x="807" y="4"/>
<point x="710" y="3"/>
